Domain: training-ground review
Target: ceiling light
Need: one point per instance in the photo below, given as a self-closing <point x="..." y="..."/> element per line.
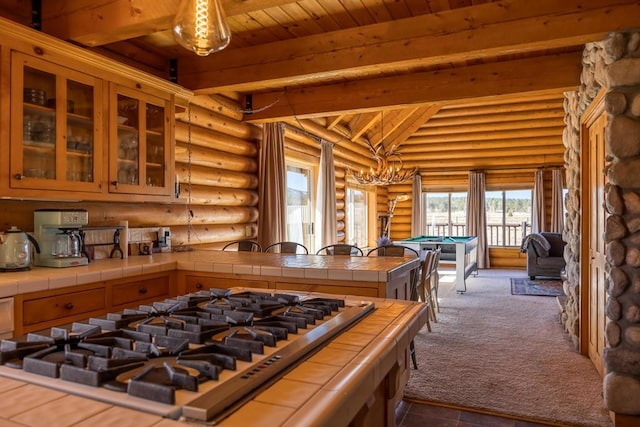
<point x="200" y="26"/>
<point x="389" y="169"/>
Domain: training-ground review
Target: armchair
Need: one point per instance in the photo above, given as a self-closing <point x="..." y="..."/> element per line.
<point x="545" y="254"/>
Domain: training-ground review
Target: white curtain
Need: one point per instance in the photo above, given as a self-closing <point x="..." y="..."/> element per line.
<point x="272" y="190"/>
<point x="537" y="204"/>
<point x="326" y="219"/>
<point x="477" y="217"/>
<point x="417" y="222"/>
<point x="557" y="213"/>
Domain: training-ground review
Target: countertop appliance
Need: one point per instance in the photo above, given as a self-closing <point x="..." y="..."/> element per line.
<point x="59" y="233"/>
<point x="195" y="356"/>
<point x="15" y="250"/>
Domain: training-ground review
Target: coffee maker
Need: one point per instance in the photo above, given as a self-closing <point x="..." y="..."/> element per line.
<point x="59" y="233"/>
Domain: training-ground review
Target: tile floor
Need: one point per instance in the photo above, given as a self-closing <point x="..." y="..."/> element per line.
<point x="410" y="414"/>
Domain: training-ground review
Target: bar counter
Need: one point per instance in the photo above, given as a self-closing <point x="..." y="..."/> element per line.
<point x="373" y="274"/>
<point x="358" y="377"/>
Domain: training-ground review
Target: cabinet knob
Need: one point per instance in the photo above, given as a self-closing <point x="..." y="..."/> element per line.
<point x="19" y="176"/>
<point x="69" y="306"/>
<point x="198" y="285"/>
<point x="114" y="183"/>
<point x="142" y="290"/>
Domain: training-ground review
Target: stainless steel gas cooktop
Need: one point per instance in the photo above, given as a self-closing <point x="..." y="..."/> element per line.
<point x="196" y="355"/>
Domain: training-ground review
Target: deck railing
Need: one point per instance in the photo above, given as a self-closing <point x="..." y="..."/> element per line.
<point x="510" y="234"/>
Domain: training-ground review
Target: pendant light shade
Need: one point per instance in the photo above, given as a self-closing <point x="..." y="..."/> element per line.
<point x="201" y="26"/>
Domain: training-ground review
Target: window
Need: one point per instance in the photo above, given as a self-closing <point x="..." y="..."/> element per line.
<point x="357" y="212"/>
<point x="300" y="205"/>
<point x="445" y="214"/>
<point x="508" y="216"/>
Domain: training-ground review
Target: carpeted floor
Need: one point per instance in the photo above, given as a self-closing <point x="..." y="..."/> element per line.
<point x="538" y="287"/>
<point x="506" y="354"/>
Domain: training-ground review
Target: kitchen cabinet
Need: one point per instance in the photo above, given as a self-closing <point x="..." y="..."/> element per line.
<point x="58" y="307"/>
<point x="40" y="310"/>
<point x="137" y="291"/>
<point x="56" y="126"/>
<point x="195" y="283"/>
<point x="80" y="126"/>
<point x="142" y="151"/>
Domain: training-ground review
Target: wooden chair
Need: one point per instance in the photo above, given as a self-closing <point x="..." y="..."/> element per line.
<point x="243" y="246"/>
<point x="424" y="287"/>
<point x="286" y="248"/>
<point x="340" y="249"/>
<point x="393" y="250"/>
<point x="435" y="279"/>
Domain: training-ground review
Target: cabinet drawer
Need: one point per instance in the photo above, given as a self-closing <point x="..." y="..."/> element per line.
<point x="60" y="306"/>
<point x="139" y="290"/>
<point x="200" y="283"/>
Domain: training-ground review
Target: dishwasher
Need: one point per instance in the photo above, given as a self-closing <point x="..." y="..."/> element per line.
<point x="6" y="318"/>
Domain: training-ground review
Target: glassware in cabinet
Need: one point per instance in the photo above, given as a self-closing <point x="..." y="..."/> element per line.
<point x="141" y="162"/>
<point x="55" y="126"/>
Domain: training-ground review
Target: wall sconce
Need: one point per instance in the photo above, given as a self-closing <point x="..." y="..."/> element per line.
<point x="200" y="26"/>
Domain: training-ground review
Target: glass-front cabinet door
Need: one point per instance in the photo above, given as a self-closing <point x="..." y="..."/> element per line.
<point x="56" y="127"/>
<point x="141" y="125"/>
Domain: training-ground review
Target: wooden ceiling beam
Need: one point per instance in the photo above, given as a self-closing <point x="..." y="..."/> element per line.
<point x="95" y="23"/>
<point x="455" y="36"/>
<point x="361" y="123"/>
<point x="548" y="74"/>
<point x="388" y="123"/>
<point x="411" y="124"/>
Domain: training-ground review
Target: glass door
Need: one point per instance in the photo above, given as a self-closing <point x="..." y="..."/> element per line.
<point x="143" y="140"/>
<point x="55" y="127"/>
<point x="300" y="206"/>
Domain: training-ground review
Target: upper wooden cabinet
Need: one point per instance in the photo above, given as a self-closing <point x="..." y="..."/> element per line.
<point x="142" y="126"/>
<point x="56" y="127"/>
<point x="79" y="126"/>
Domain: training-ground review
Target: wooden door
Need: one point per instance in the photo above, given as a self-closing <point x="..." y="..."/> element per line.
<point x="593" y="316"/>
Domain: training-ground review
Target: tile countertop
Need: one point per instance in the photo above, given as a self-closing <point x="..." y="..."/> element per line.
<point x="375" y="269"/>
<point x="327" y="389"/>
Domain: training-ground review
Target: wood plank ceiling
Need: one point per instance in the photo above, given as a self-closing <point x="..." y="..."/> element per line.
<point x="455" y="84"/>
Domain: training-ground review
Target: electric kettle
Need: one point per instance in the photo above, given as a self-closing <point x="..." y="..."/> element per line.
<point x="15" y="252"/>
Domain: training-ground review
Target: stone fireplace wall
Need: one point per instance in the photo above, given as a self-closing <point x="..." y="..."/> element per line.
<point x="613" y="64"/>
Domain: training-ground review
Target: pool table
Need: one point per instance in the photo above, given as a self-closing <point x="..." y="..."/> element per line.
<point x="459" y="250"/>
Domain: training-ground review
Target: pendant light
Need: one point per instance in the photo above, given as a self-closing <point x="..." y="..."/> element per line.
<point x="201" y="26"/>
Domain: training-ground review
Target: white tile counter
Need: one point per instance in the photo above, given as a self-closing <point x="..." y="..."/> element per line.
<point x="328" y="389"/>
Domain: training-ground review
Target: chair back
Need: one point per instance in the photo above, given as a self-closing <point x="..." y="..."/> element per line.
<point x="424" y="286"/>
<point x="393" y="250"/>
<point x="340" y="249"/>
<point x="243" y="246"/>
<point x="287" y="248"/>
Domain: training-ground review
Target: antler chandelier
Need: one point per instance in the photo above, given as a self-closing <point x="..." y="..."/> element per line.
<point x="389" y="169"/>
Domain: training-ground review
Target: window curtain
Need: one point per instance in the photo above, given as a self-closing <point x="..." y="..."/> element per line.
<point x="417" y="223"/>
<point x="272" y="190"/>
<point x="477" y="217"/>
<point x="326" y="219"/>
<point x="537" y="204"/>
<point x="557" y="213"/>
